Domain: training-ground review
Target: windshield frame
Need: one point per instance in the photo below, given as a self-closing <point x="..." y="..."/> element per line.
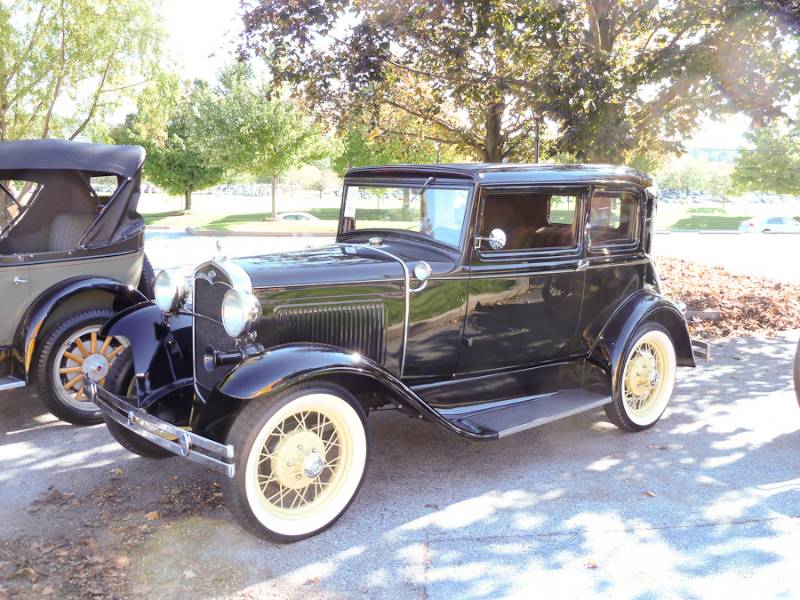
<point x="413" y="183"/>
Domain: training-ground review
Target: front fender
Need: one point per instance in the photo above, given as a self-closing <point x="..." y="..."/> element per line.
<point x="36" y="316"/>
<point x="282" y="367"/>
<point x="610" y="347"/>
<point x="146" y="329"/>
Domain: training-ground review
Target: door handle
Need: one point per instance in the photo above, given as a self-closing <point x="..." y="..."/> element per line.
<point x="583" y="264"/>
<point x="19" y="281"/>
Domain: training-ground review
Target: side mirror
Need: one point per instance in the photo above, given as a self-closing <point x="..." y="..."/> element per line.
<point x="496" y="239"/>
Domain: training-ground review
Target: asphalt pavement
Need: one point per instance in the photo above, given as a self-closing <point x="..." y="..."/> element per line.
<point x="704" y="505"/>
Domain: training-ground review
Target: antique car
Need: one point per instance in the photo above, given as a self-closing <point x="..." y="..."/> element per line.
<point x="71" y="255"/>
<point x="485" y="299"/>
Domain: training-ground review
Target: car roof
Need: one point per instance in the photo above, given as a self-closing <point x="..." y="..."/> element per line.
<point x="65" y="155"/>
<point x="508" y="173"/>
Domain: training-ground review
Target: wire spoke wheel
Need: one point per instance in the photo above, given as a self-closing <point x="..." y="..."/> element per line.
<point x="82" y="352"/>
<point x="648" y="378"/>
<point x="304" y="460"/>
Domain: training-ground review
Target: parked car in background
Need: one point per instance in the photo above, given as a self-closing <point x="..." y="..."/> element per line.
<point x="770" y="225"/>
<point x="71" y="256"/>
<point x="493" y="299"/>
<point x="297" y="216"/>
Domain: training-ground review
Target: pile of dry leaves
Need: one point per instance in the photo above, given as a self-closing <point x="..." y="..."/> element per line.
<point x="729" y="304"/>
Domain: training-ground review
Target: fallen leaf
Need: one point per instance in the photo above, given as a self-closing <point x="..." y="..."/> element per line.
<point x="590" y="564"/>
<point x="189" y="574"/>
<point x="650" y="494"/>
<point x="47" y="591"/>
<point x="121" y="561"/>
<point x="152" y="515"/>
<point x="117" y="472"/>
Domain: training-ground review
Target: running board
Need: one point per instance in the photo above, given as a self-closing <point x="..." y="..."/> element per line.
<point x="9" y="383"/>
<point x="526" y="412"/>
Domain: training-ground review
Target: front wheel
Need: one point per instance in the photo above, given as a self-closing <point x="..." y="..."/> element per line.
<point x="71" y="349"/>
<point x="300" y="460"/>
<point x="648" y="377"/>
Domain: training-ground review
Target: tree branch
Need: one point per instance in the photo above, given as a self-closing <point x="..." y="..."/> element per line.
<point x="97" y="94"/>
<point x="59" y="78"/>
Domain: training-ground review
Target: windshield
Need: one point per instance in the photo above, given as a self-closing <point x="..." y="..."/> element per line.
<point x="437" y="212"/>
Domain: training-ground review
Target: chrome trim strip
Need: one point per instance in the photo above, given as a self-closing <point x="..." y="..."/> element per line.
<point x="317" y="284"/>
<point x="510" y="274"/>
<point x="407" y="311"/>
<point x="187" y="444"/>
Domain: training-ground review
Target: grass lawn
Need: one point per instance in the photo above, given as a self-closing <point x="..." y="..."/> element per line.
<point x="709" y="222"/>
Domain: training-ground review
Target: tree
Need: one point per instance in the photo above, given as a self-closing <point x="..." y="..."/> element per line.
<point x="772" y="164"/>
<point x="66" y="63"/>
<point x="172" y="124"/>
<point x="260" y="132"/>
<point x="615" y="79"/>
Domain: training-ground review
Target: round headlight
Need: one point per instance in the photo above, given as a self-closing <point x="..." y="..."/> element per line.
<point x="169" y="291"/>
<point x="422" y="270"/>
<point x="240" y="311"/>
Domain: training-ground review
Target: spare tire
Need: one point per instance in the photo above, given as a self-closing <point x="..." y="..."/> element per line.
<point x="147" y="279"/>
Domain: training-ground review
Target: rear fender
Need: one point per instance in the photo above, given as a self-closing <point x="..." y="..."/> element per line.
<point x="161" y="345"/>
<point x="609" y="349"/>
<point x="263" y="376"/>
<point x="49" y="301"/>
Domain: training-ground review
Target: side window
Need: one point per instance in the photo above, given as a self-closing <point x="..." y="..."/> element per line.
<point x="613" y="218"/>
<point x="531" y="219"/>
<point x="16" y="196"/>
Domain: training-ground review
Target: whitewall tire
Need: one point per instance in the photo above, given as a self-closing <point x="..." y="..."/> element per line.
<point x="300" y="460"/>
<point x="646" y="381"/>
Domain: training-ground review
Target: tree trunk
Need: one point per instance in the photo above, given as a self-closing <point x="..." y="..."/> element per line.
<point x="187" y="204"/>
<point x="494" y="140"/>
<point x="274" y="188"/>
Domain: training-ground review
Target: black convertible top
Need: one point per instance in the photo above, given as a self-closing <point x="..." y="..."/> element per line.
<point x="63" y="155"/>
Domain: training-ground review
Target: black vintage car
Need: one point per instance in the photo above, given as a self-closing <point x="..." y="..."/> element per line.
<point x="486" y="299"/>
<point x="71" y="254"/>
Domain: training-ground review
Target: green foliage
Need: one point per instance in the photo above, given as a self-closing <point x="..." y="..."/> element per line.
<point x="709" y="222"/>
<point x="65" y="64"/>
<point x="686" y="175"/>
<point x="615" y="79"/>
<point x="772" y="164"/>
<point x="172" y="125"/>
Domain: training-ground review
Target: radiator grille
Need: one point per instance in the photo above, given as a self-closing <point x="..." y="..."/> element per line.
<point x="356" y="326"/>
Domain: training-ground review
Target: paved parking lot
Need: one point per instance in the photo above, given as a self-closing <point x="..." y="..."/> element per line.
<point x="704" y="505"/>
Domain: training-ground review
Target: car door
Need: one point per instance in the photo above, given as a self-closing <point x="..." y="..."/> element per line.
<point x="617" y="260"/>
<point x="15" y="284"/>
<point x="525" y="298"/>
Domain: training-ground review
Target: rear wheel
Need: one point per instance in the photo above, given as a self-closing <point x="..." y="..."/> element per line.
<point x="70" y="350"/>
<point x="120" y="382"/>
<point x="648" y="378"/>
<point x="300" y="460"/>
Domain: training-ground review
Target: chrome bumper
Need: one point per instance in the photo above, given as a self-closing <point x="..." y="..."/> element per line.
<point x="166" y="435"/>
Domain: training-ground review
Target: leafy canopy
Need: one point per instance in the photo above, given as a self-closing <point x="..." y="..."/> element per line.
<point x="64" y="64"/>
<point x="611" y="79"/>
<point x="772" y="163"/>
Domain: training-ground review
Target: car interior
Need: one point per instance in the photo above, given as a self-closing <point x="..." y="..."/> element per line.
<point x="58" y="212"/>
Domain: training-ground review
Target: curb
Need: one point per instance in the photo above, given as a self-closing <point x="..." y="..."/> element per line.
<point x="271" y="234"/>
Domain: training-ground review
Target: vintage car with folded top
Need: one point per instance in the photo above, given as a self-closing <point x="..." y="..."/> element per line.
<point x="71" y="255"/>
<point x="484" y="299"/>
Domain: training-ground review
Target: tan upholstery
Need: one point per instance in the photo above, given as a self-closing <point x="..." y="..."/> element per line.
<point x="67" y="229"/>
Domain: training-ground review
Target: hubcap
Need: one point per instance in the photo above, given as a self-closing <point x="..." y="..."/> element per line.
<point x="83" y="353"/>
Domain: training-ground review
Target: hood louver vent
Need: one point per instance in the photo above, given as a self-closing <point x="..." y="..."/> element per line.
<point x="357" y="326"/>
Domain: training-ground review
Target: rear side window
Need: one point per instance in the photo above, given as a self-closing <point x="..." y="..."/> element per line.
<point x="531" y="219"/>
<point x="16" y="195"/>
<point x="613" y="218"/>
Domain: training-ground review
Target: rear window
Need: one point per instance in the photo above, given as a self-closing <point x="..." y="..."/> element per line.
<point x="613" y="218"/>
<point x="16" y="195"/>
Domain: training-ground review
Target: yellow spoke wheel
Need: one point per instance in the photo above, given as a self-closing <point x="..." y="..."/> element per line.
<point x="302" y="461"/>
<point x="648" y="378"/>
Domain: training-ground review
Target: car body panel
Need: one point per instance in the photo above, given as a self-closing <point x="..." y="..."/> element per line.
<point x="486" y="330"/>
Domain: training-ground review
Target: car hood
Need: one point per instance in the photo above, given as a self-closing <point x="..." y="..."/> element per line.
<point x="336" y="263"/>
